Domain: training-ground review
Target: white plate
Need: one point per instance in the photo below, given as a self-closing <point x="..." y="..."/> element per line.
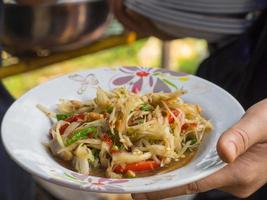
<point x="25" y="128"/>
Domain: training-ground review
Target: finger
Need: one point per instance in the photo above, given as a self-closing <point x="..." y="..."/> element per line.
<point x="147" y="27"/>
<point x="136" y="22"/>
<point x="246" y="170"/>
<point x="143" y="23"/>
<point x="251" y="129"/>
<point x="119" y="10"/>
<point x="219" y="179"/>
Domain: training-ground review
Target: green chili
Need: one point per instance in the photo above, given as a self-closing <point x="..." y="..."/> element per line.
<point x="79" y="135"/>
<point x="110" y="109"/>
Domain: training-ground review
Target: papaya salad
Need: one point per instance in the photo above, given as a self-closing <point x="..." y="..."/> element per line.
<point x="124" y="134"/>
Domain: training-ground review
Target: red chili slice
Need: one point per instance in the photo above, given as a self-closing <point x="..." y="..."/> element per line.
<point x="141" y="166"/>
<point x="105" y="138"/>
<point x="170" y="117"/>
<point x="188" y="126"/>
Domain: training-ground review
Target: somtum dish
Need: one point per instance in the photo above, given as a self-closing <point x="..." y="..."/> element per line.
<point x="122" y="134"/>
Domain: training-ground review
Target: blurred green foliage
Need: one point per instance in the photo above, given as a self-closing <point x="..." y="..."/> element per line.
<point x="123" y="55"/>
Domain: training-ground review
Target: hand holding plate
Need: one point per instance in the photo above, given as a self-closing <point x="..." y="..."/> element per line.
<point x="244" y="147"/>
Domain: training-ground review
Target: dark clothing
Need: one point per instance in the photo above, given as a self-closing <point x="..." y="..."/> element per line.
<point x="261" y="194"/>
<point x="15" y="183"/>
<point x="240" y="66"/>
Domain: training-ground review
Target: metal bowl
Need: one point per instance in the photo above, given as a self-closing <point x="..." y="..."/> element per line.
<point x="54" y="26"/>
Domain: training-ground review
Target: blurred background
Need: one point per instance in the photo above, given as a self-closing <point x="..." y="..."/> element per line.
<point x="183" y="55"/>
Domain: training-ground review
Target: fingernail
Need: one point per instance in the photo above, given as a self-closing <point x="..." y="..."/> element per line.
<point x="139" y="196"/>
<point x="232" y="151"/>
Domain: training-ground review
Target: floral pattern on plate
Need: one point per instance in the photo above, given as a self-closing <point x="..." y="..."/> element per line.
<point x="136" y="78"/>
<point x="85" y="82"/>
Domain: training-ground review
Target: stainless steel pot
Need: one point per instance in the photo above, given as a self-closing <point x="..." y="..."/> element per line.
<point x="55" y="25"/>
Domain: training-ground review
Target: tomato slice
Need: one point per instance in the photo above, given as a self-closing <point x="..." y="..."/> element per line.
<point x="188" y="126"/>
<point x="114" y="151"/>
<point x="170" y="117"/>
<point x="119" y="169"/>
<point x="63" y="128"/>
<point x="75" y="118"/>
<point x="141" y="166"/>
<point x="105" y="138"/>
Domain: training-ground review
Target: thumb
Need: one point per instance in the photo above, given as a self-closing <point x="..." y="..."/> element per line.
<point x="251" y="129"/>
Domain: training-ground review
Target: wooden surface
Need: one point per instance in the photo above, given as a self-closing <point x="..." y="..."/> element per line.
<point x="32" y="63"/>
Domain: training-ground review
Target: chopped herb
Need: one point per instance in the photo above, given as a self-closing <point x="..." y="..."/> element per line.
<point x="121" y="147"/>
<point x="109" y="132"/>
<point x="115" y="148"/>
<point x="91" y="162"/>
<point x="191" y="137"/>
<point x="146" y="107"/>
<point x="141" y="121"/>
<point x="130" y="174"/>
<point x="194" y="141"/>
<point x="110" y="109"/>
<point x="115" y="138"/>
